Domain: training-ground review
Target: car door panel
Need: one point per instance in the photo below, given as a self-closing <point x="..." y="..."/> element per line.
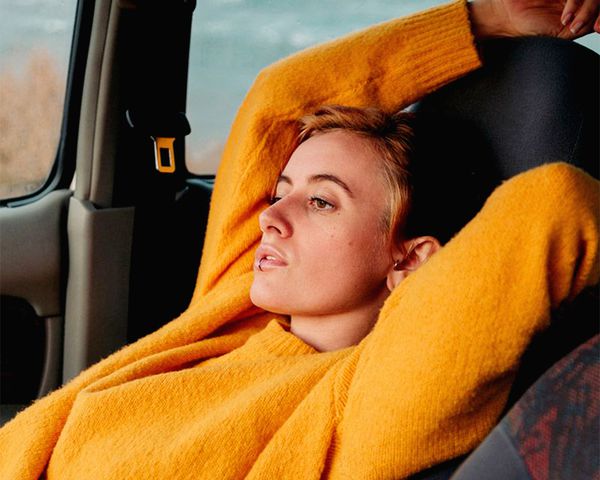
<point x="32" y="277"/>
<point x="31" y="252"/>
<point x="98" y="287"/>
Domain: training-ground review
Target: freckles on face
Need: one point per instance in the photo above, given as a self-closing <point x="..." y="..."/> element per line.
<point x="323" y="249"/>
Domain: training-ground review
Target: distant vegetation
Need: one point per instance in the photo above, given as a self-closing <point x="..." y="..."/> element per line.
<point x="31" y="99"/>
<point x="31" y="104"/>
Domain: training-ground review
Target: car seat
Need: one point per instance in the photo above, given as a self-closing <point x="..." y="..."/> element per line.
<point x="535" y="100"/>
<point x="552" y="432"/>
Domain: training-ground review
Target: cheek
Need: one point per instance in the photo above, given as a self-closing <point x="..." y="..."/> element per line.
<point x="349" y="255"/>
<point x="348" y="274"/>
<point x="333" y="268"/>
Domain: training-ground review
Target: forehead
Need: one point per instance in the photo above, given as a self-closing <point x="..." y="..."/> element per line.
<point x="346" y="155"/>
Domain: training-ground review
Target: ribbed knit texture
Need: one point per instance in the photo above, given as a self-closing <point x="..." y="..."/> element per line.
<point x="225" y="391"/>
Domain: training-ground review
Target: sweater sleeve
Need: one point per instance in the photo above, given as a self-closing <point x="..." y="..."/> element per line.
<point x="433" y="376"/>
<point x="389" y="65"/>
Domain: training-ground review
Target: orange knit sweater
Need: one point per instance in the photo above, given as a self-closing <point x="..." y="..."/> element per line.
<point x="225" y="391"/>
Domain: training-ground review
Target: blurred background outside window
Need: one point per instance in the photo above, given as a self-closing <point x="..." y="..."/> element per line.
<point x="35" y="42"/>
<point x="232" y="40"/>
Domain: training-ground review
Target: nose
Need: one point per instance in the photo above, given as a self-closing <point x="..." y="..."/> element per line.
<point x="275" y="220"/>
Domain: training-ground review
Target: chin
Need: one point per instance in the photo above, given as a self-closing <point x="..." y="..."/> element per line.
<point x="264" y="298"/>
<point x="276" y="300"/>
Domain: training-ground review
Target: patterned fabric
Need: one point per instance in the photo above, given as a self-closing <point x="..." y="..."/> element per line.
<point x="555" y="426"/>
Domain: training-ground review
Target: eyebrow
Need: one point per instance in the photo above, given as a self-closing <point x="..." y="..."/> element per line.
<point x="321" y="177"/>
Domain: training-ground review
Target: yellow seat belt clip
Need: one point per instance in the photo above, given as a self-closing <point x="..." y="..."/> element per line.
<point x="164" y="154"/>
<point x="163" y="127"/>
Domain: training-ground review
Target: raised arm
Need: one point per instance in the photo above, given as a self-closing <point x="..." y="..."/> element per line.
<point x="433" y="376"/>
<point x="389" y="65"/>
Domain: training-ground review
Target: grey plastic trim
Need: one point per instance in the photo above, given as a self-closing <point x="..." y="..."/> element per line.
<point x="30" y="252"/>
<point x="53" y="356"/>
<point x="101" y="108"/>
<point x="98" y="285"/>
<point x="98" y="72"/>
<point x="495" y="459"/>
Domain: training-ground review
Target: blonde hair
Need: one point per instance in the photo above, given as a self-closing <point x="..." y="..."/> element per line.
<point x="392" y="138"/>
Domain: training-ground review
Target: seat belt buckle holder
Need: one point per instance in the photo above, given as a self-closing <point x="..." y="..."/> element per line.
<point x="164" y="154"/>
<point x="163" y="128"/>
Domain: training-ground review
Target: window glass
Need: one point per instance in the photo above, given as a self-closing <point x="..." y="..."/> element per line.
<point x="232" y="40"/>
<point x="591" y="41"/>
<point x="34" y="50"/>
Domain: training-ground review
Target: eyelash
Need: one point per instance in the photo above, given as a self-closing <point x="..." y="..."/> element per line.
<point x="314" y="202"/>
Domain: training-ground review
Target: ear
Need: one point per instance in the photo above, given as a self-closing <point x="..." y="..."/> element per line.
<point x="409" y="257"/>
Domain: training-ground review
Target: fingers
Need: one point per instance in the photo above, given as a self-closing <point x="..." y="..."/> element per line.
<point x="571" y="7"/>
<point x="581" y="16"/>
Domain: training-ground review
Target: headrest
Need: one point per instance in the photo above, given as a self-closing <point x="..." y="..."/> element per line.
<point x="535" y="100"/>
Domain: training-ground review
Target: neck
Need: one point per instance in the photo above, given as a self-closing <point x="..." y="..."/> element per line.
<point x="326" y="333"/>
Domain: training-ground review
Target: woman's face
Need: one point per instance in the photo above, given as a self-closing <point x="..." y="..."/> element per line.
<point x="324" y="249"/>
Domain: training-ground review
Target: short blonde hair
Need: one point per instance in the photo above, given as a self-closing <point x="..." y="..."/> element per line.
<point x="391" y="136"/>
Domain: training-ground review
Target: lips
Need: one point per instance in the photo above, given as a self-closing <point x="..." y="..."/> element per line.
<point x="268" y="257"/>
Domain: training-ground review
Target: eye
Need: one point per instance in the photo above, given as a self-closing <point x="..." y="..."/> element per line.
<point x="320" y="204"/>
<point x="274" y="199"/>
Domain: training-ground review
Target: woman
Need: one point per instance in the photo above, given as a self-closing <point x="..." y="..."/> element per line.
<point x="332" y="222"/>
<point x="226" y="391"/>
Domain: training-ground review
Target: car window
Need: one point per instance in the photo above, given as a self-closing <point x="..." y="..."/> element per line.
<point x="34" y="51"/>
<point x="591" y="41"/>
<point x="232" y="40"/>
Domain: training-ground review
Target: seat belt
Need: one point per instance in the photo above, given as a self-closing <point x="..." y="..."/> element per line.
<point x="155" y="127"/>
<point x="162" y="127"/>
<point x="156" y="113"/>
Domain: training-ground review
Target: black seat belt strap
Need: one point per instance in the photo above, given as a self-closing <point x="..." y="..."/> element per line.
<point x="156" y="113"/>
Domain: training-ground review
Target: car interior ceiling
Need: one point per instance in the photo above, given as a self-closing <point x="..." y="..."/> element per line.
<point x="145" y="275"/>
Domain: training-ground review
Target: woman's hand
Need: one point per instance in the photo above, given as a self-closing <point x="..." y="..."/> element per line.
<point x="557" y="18"/>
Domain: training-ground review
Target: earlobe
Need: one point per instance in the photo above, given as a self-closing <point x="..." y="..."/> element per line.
<point x="418" y="251"/>
<point x="394" y="278"/>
